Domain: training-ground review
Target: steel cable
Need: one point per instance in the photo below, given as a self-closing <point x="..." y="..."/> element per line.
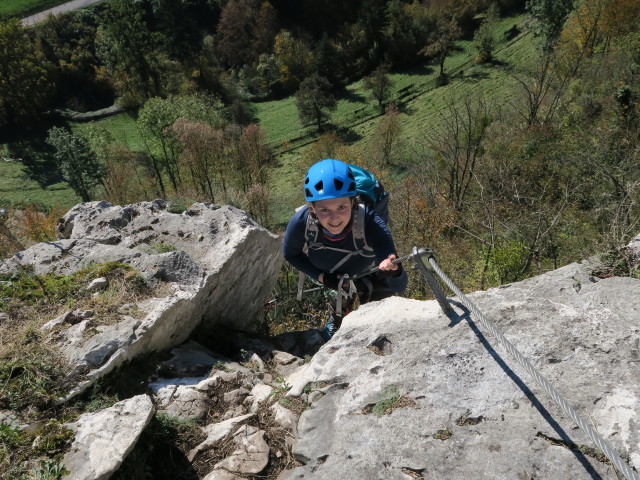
<point x="601" y="443"/>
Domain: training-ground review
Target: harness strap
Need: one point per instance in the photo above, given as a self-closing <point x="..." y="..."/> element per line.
<point x="341" y="293"/>
<point x="312" y="231"/>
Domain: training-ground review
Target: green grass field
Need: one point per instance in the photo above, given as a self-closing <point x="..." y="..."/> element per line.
<point x="19" y="188"/>
<point x="422" y="107"/>
<point x="122" y="126"/>
<point x="24" y="8"/>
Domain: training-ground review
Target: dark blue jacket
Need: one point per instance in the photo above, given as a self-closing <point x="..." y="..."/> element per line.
<point x="317" y="261"/>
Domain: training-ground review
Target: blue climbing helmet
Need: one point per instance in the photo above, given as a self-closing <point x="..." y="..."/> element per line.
<point x="329" y="179"/>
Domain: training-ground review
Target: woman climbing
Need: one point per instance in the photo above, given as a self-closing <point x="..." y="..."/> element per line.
<point x="342" y="236"/>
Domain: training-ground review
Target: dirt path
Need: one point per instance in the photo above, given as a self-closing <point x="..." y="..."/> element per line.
<point x="65" y="7"/>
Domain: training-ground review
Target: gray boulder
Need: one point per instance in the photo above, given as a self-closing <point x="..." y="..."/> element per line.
<point x="413" y="393"/>
<point x="103" y="439"/>
<point x="218" y="263"/>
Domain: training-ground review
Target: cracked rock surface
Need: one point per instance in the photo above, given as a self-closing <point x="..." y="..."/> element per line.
<point x="412" y="393"/>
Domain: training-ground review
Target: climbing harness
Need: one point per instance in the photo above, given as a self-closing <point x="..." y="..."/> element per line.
<point x="601" y="443"/>
<point x="360" y="245"/>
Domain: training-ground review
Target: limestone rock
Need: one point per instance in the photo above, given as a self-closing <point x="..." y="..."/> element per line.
<point x="458" y="405"/>
<point x="103" y="439"/>
<point x="285" y="418"/>
<point x="98" y="284"/>
<point x="223" y="475"/>
<point x="216" y="432"/>
<point x="259" y="394"/>
<point x="220" y="266"/>
<point x="189" y="397"/>
<point x="252" y="455"/>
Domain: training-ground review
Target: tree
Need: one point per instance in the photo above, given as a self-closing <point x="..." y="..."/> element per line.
<point x="326" y="60"/>
<point x="365" y="48"/>
<point x="234" y="33"/>
<point x="202" y="151"/>
<point x="550" y="17"/>
<point x="153" y="123"/>
<point x="256" y="156"/>
<point x="293" y="58"/>
<point x="127" y="48"/>
<point x="484" y="40"/>
<point x="24" y="85"/>
<point x="77" y="162"/>
<point x="379" y="84"/>
<point x="386" y="141"/>
<point x="457" y="145"/>
<point x="314" y="101"/>
<point x="403" y="32"/>
<point x="264" y="29"/>
<point x="442" y="41"/>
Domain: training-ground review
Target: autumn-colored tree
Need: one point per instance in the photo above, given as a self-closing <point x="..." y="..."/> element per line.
<point x="255" y="153"/>
<point x="201" y="153"/>
<point x="420" y="214"/>
<point x="293" y="58"/>
<point x="153" y="123"/>
<point x="379" y="84"/>
<point x="234" y="33"/>
<point x="595" y="24"/>
<point x="124" y="181"/>
<point x="442" y="41"/>
<point x="36" y="226"/>
<point x="264" y="30"/>
<point x="385" y="144"/>
<point x="257" y="203"/>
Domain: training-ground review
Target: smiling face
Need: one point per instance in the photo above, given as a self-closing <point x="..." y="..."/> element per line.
<point x="333" y="214"/>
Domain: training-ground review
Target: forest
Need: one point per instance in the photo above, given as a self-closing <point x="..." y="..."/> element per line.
<point x="503" y="179"/>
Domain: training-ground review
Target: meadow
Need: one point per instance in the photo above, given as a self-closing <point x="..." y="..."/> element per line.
<point x="422" y="105"/>
<point x="24" y="8"/>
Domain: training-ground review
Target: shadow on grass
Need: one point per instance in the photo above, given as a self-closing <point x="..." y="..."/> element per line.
<point x="30" y="148"/>
<point x="419" y="70"/>
<point x="349" y="135"/>
<point x="353" y="97"/>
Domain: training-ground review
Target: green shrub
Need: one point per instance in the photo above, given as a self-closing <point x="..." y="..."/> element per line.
<point x="386" y="400"/>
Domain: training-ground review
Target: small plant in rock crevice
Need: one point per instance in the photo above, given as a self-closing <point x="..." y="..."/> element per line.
<point x="443" y="434"/>
<point x="47" y="470"/>
<point x="389" y="400"/>
<point x="386" y="400"/>
<point x="162" y="247"/>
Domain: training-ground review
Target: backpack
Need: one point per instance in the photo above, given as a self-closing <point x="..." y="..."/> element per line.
<point x="372" y="194"/>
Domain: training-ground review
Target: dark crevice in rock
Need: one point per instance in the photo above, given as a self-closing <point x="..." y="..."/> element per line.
<point x="584" y="449"/>
<point x="381" y="346"/>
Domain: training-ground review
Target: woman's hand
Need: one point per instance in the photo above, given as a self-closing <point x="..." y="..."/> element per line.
<point x="386" y="263"/>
